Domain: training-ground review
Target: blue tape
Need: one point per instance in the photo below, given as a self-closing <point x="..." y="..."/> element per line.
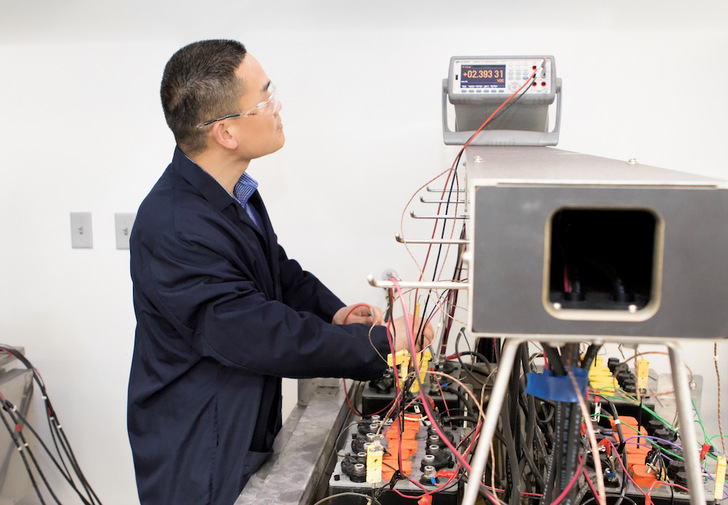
<point x="557" y="388"/>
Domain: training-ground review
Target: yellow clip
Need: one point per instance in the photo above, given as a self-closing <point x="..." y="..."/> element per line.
<point x="719" y="478"/>
<point x="425" y="358"/>
<point x="402" y="360"/>
<point x="643" y="375"/>
<point x="375" y="453"/>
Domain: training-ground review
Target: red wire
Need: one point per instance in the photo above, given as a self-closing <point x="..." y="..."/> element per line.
<point x="354" y="308"/>
<point x="662" y="482"/>
<point x="452" y="167"/>
<point x="571" y="483"/>
<point x="351" y="407"/>
<point x="442" y="393"/>
<point x="591" y="484"/>
<point x="626" y="472"/>
<point x="422" y="394"/>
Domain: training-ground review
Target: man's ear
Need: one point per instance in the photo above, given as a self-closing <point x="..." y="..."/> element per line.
<point x="222" y="135"/>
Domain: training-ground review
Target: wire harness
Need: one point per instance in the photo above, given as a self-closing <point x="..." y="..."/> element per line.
<point x="61" y="455"/>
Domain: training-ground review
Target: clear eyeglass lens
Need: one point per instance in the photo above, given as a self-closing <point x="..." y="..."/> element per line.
<point x="270" y="105"/>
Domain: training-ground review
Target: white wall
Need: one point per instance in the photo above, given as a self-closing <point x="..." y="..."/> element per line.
<point x="81" y="129"/>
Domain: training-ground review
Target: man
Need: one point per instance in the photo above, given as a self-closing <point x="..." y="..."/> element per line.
<point x="222" y="313"/>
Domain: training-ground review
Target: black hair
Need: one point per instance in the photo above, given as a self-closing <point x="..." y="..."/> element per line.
<point x="199" y="84"/>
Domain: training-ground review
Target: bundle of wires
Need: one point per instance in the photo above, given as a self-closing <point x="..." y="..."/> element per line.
<point x="61" y="456"/>
<point x="539" y="449"/>
<point x="538" y="452"/>
<point x="449" y="200"/>
<point x="522" y="470"/>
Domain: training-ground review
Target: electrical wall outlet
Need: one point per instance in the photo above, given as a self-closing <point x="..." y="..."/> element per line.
<point x="82" y="236"/>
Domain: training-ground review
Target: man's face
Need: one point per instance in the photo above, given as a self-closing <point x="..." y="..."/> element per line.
<point x="262" y="133"/>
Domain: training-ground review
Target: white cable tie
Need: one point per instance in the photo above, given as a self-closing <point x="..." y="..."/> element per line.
<point x="617" y="421"/>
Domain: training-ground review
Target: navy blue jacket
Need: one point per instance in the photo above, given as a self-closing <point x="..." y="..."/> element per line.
<point x="222" y="314"/>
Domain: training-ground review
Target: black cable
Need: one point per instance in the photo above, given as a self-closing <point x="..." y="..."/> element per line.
<point x="19" y="446"/>
<point x="589" y="356"/>
<point x="549" y="415"/>
<point x="622" y="449"/>
<point x="452" y="297"/>
<point x="535" y="471"/>
<point x="467" y="369"/>
<point x="512" y="470"/>
<point x="583" y="490"/>
<point x="57" y="434"/>
<point x="21" y="420"/>
<point x="420" y="331"/>
<point x="572" y="448"/>
<point x="554" y="466"/>
<point x="554" y="360"/>
<point x="11" y="412"/>
<point x="450" y="419"/>
<point x="469" y="404"/>
<point x="482" y="357"/>
<point x="528" y="406"/>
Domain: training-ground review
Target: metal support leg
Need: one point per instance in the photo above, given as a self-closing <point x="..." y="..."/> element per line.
<point x="687" y="428"/>
<point x="492" y="413"/>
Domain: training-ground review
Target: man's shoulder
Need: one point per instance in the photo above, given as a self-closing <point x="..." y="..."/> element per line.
<point x="171" y="204"/>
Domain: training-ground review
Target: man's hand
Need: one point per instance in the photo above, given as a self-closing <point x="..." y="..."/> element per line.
<point x="365" y="314"/>
<point x="402" y="338"/>
<point x="359" y="313"/>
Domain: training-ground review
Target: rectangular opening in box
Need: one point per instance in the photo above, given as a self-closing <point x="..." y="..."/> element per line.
<point x="602" y="260"/>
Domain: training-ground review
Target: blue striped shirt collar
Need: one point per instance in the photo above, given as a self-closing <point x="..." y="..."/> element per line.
<point x="244" y="188"/>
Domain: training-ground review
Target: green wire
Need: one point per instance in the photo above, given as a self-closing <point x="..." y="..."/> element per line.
<point x="699" y="421"/>
<point x="710" y="440"/>
<point x="666" y="423"/>
<point x="647" y="439"/>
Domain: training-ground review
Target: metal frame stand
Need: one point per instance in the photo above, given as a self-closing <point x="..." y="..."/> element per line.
<point x="682" y="397"/>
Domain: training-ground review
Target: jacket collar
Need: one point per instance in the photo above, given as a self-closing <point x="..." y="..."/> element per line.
<point x="201" y="180"/>
<point x="218" y="196"/>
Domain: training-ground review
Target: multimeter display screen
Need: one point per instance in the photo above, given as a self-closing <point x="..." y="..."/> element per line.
<point x="482" y="76"/>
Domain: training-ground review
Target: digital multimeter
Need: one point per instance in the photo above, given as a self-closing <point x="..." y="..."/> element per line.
<point x="494" y="78"/>
<point x="477" y="86"/>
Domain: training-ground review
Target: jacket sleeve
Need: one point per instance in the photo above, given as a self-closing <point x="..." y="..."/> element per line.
<point x="304" y="291"/>
<point x="209" y="293"/>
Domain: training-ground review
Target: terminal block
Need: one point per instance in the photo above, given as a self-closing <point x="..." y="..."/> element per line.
<point x="425" y="459"/>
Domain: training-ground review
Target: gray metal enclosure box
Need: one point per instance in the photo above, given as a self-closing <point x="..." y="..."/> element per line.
<point x="665" y="233"/>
